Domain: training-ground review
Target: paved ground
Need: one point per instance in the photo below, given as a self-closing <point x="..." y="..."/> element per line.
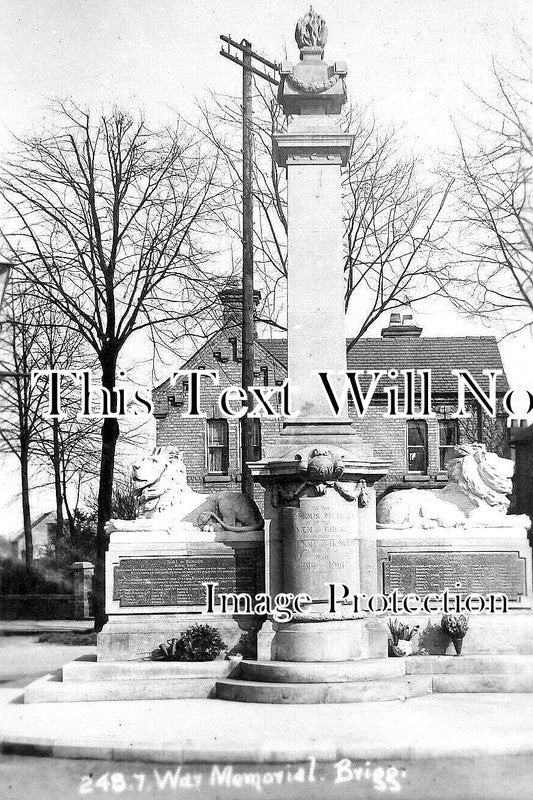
<point x="434" y="726"/>
<point x="458" y="747"/>
<point x="23" y="658"/>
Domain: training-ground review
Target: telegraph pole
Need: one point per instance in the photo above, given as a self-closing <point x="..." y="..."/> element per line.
<point x="245" y="61"/>
<point x="247" y="431"/>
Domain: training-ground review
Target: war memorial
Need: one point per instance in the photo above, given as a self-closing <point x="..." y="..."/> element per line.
<point x="321" y="535"/>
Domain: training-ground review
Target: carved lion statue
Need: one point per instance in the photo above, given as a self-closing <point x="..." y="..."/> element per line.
<point x="476" y="494"/>
<point x="160" y="481"/>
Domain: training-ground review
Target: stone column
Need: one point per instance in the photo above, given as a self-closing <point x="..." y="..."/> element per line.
<point x="318" y="476"/>
<point x="313" y="151"/>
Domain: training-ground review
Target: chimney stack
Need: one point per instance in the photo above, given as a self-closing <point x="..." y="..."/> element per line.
<point x="231" y="302"/>
<point x="401" y="327"/>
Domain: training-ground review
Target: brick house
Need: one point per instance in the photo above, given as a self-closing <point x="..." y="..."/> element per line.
<point x="416" y="449"/>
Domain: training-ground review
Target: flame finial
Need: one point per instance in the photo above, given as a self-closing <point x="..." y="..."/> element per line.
<point x="311" y="30"/>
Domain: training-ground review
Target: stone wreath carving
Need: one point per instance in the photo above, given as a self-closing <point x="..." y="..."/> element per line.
<point x="316" y="87"/>
<point x="320" y="469"/>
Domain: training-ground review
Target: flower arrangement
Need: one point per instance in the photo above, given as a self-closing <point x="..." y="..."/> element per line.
<point x="401" y="635"/>
<point x="196" y="643"/>
<point x="455" y="626"/>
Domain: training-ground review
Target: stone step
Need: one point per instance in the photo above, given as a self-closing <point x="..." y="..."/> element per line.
<point x="469" y="664"/>
<point x="88" y="669"/>
<point x="483" y="683"/>
<point x="50" y="689"/>
<point x="342" y="692"/>
<point x="369" y="669"/>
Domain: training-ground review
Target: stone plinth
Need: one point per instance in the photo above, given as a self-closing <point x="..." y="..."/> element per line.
<point x="320" y="545"/>
<point x="320" y="529"/>
<point x="472" y="560"/>
<point x="154" y="587"/>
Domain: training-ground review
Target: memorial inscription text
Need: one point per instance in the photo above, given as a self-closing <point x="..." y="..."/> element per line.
<point x="464" y="572"/>
<point x="178" y="581"/>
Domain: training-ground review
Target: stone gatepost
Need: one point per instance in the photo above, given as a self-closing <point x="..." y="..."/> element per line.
<point x="320" y="504"/>
<point x="82" y="578"/>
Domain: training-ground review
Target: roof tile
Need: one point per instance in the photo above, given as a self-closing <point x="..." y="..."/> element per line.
<point x="440" y="354"/>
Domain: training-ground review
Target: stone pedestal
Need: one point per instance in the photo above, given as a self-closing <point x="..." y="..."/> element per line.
<point x="320" y="512"/>
<point x="476" y="560"/>
<point x="479" y="560"/>
<point x="154" y="587"/>
<point x="320" y="545"/>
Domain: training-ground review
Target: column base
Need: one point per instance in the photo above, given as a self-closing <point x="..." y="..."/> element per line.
<point x="339" y="640"/>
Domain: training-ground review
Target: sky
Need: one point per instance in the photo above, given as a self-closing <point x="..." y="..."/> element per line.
<point x="414" y="62"/>
<point x="410" y="58"/>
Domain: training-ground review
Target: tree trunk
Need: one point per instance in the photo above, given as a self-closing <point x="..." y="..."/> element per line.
<point x="479" y="423"/>
<point x="70" y="515"/>
<point x="110" y="433"/>
<point x="26" y="513"/>
<point x="57" y="482"/>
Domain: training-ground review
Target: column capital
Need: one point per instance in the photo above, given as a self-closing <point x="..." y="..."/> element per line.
<point x="313" y="148"/>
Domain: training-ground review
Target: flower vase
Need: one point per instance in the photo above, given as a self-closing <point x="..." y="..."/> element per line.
<point x="458" y="644"/>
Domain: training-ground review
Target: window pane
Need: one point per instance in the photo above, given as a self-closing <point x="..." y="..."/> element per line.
<point x="417" y="432"/>
<point x="215" y="460"/>
<point x="256" y="454"/>
<point x="448" y="431"/>
<point x="417" y="460"/>
<point x="446" y="454"/>
<point x="218" y="431"/>
<point x="217" y="446"/>
<point x="417" y="445"/>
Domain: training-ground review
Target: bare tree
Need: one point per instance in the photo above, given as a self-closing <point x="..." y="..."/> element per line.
<point x="35" y="338"/>
<point x="393" y="230"/>
<point x="493" y="254"/>
<point x="393" y="227"/>
<point x="19" y="400"/>
<point x="67" y="446"/>
<point x="109" y="221"/>
<point x="221" y="122"/>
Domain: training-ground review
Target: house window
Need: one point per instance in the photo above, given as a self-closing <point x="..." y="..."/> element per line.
<point x="448" y="438"/>
<point x="256" y="451"/>
<point x="417" y="446"/>
<point x="257" y="446"/>
<point x="217" y="446"/>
